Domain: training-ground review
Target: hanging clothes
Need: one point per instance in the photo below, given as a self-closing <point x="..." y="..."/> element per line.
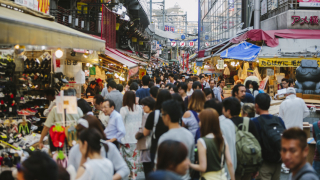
<point x="244" y="71"/>
<point x="226" y="71"/>
<point x="256" y="73"/>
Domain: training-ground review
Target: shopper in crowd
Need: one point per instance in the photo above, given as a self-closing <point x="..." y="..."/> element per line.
<point x="293" y="109"/>
<point x="173" y="89"/>
<point x="105" y="90"/>
<point x="98" y="102"/>
<point x="92" y="166"/>
<point x="151" y="84"/>
<point x="248" y="110"/>
<point x="85" y="85"/>
<point x="255" y="89"/>
<point x="249" y="87"/>
<point x="284" y="83"/>
<point x="183" y="90"/>
<point x="115" y="130"/>
<point x="196" y="85"/>
<point x="189" y="90"/>
<point x="144" y="91"/>
<point x="132" y="117"/>
<point x="148" y="104"/>
<point x="316" y="158"/>
<point x="99" y="86"/>
<point x="85" y="107"/>
<point x="108" y="149"/>
<point x="50" y="95"/>
<point x="231" y="109"/>
<point x="218" y="91"/>
<point x="115" y="95"/>
<point x="39" y="165"/>
<point x="204" y="83"/>
<point x="251" y="76"/>
<point x="178" y="98"/>
<point x="213" y="150"/>
<point x="228" y="131"/>
<point x="239" y="92"/>
<point x="134" y="86"/>
<point x="294" y="152"/>
<point x="171" y="114"/>
<point x="271" y="165"/>
<point x="291" y="82"/>
<point x="183" y="78"/>
<point x="55" y="117"/>
<point x="120" y="88"/>
<point x="154" y="92"/>
<point x="190" y="118"/>
<point x="172" y="161"/>
<point x="159" y="128"/>
<point x="91" y="89"/>
<point x="208" y="93"/>
<point x="171" y="79"/>
<point x="211" y="84"/>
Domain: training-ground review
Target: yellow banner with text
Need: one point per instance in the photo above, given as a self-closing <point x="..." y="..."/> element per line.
<point x="283" y="62"/>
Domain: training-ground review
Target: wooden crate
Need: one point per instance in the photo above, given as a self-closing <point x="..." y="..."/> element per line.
<point x="299" y="95"/>
<point x="310" y="96"/>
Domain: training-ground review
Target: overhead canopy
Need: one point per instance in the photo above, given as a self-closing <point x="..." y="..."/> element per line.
<point x="120" y="58"/>
<point x="24" y="29"/>
<point x="244" y="51"/>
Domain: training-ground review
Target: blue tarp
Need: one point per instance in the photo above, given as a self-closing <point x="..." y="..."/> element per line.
<point x="244" y="51"/>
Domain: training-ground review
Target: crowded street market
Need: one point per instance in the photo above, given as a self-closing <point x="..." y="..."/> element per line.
<point x="159" y="90"/>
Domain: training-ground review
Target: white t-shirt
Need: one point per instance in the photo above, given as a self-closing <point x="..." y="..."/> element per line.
<point x="97" y="169"/>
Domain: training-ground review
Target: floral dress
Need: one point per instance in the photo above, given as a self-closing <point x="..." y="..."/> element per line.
<point x="132" y="121"/>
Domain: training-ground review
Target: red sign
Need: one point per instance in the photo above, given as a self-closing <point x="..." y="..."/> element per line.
<point x="191" y="43"/>
<point x="182" y="44"/>
<point x="313" y="20"/>
<point x="173" y="44"/>
<point x="187" y="62"/>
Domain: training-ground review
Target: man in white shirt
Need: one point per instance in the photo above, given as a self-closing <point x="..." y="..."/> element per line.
<point x="115" y="130"/>
<point x="97" y="102"/>
<point x="218" y="91"/>
<point x="293" y="109"/>
<point x="251" y="77"/>
<point x="189" y="90"/>
<point x="211" y="84"/>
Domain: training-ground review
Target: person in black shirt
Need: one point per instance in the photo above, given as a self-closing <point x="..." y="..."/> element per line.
<point x="91" y="89"/>
<point x="160" y="129"/>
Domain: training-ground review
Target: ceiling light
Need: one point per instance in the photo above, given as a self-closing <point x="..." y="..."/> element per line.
<point x="58" y="53"/>
<point x="17" y="46"/>
<point x="88" y="64"/>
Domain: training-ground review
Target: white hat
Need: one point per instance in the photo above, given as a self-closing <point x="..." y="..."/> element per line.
<point x="291" y="90"/>
<point x="83" y="122"/>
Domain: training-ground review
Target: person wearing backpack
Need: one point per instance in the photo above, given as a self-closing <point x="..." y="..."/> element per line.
<point x="270" y="129"/>
<point x="249" y="158"/>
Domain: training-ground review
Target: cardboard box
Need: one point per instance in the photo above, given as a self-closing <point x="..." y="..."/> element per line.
<point x="311" y="96"/>
<point x="281" y="96"/>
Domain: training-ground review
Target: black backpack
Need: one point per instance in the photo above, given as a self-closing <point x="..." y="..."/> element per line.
<point x="271" y="132"/>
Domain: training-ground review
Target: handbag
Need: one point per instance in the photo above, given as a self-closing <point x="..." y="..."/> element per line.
<point x="144" y="142"/>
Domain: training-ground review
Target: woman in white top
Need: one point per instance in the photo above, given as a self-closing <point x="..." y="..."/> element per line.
<point x="255" y="88"/>
<point x="132" y="117"/>
<point x="93" y="166"/>
<point x="195" y="106"/>
<point x="213" y="150"/>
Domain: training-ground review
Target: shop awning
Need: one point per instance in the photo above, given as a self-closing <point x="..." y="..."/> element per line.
<point x="244" y="51"/>
<point x="120" y="58"/>
<point x="24" y="29"/>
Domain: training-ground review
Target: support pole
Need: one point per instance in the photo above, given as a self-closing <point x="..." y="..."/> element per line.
<point x="256" y="24"/>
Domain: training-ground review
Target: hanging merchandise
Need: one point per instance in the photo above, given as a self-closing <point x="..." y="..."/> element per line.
<point x="244" y="71"/>
<point x="226" y="71"/>
<point x="92" y="70"/>
<point x="256" y="73"/>
<point x="239" y="72"/>
<point x="57" y="134"/>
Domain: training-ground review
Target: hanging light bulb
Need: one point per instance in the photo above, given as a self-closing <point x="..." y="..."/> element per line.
<point x="17" y="46"/>
<point x="58" y="53"/>
<point x="88" y="64"/>
<point x="225" y="65"/>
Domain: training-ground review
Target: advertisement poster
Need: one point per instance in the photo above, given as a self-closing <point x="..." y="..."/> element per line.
<point x="142" y="72"/>
<point x="274" y="4"/>
<point x="309" y="3"/>
<point x="263" y="7"/>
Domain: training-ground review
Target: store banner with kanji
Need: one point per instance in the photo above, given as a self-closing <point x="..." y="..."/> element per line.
<point x="142" y="72"/>
<point x="283" y="62"/>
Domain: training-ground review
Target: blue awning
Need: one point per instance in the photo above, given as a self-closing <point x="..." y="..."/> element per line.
<point x="244" y="51"/>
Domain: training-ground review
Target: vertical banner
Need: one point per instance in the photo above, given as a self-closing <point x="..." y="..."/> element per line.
<point x="183" y="62"/>
<point x="187" y="62"/>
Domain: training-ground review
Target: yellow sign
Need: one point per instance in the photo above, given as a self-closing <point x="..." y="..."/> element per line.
<point x="134" y="39"/>
<point x="140" y="42"/>
<point x="283" y="62"/>
<point x="85" y="7"/>
<point x="142" y="72"/>
<point x="44" y="6"/>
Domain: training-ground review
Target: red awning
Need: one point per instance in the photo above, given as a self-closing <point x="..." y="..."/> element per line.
<point x="257" y="35"/>
<point x="120" y="58"/>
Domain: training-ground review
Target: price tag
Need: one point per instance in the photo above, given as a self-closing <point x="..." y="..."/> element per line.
<point x="10" y="109"/>
<point x="33" y="134"/>
<point x="31" y="148"/>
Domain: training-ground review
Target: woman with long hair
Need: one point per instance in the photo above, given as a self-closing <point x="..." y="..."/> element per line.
<point x="159" y="128"/>
<point x="209" y="93"/>
<point x="108" y="149"/>
<point x="172" y="161"/>
<point x="213" y="151"/>
<point x="190" y="118"/>
<point x="248" y="86"/>
<point x="255" y="88"/>
<point x="96" y="167"/>
<point x="132" y="116"/>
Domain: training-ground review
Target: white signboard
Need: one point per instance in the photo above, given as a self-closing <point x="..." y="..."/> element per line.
<point x="207" y="44"/>
<point x="191" y="43"/>
<point x="220" y="64"/>
<point x="173" y="44"/>
<point x="263" y="7"/>
<point x="182" y="44"/>
<point x="270" y="72"/>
